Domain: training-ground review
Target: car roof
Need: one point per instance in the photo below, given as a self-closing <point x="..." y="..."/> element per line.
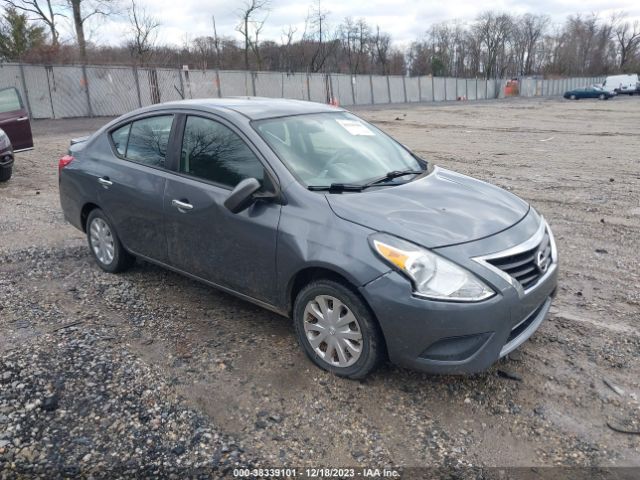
<point x="255" y="108"/>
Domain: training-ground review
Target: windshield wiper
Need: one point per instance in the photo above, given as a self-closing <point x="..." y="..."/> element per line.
<point x="355" y="187"/>
<point x="390" y="176"/>
<point x="337" y="187"/>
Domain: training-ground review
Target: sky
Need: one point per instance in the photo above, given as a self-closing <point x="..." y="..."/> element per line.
<point x="405" y="20"/>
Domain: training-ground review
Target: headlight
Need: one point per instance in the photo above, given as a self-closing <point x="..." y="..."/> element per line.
<point x="432" y="275"/>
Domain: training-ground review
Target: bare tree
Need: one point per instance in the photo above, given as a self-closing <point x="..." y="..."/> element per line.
<point x="354" y="36"/>
<point x="492" y="31"/>
<point x="318" y="37"/>
<point x="144" y="32"/>
<point x="287" y="42"/>
<point x="41" y="11"/>
<point x="530" y="29"/>
<point x="216" y="43"/>
<point x="82" y="11"/>
<point x="381" y="48"/>
<point x="627" y="36"/>
<point x="248" y="22"/>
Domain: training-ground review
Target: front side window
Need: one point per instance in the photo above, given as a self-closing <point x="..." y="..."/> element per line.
<point x="148" y="140"/>
<point x="337" y="147"/>
<point x="9" y="100"/>
<point x="214" y="152"/>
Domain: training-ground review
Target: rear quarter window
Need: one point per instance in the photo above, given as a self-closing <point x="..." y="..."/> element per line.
<point x="120" y="138"/>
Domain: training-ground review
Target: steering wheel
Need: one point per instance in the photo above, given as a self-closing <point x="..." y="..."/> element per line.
<point x="338" y="158"/>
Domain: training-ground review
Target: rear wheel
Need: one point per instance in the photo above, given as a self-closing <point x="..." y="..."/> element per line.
<point x="336" y="329"/>
<point x="573" y="97"/>
<point x="603" y="96"/>
<point x="105" y="246"/>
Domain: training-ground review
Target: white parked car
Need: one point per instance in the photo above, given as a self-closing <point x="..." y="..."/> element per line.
<point x="627" y="84"/>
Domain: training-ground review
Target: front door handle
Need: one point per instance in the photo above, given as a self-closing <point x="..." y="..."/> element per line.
<point x="182" y="206"/>
<point x="105" y="182"/>
<point x="22" y="119"/>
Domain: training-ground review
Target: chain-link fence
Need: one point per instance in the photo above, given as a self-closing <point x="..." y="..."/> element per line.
<point x="82" y="91"/>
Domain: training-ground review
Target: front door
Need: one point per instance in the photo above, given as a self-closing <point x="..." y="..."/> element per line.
<point x="14" y="119"/>
<point x="205" y="239"/>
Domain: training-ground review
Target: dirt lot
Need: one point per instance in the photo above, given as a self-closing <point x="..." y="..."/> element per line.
<point x="110" y="348"/>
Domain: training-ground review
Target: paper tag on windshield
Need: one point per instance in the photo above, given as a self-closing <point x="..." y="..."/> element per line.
<point x="355" y="127"/>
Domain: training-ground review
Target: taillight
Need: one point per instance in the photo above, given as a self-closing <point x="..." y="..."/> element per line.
<point x="64" y="161"/>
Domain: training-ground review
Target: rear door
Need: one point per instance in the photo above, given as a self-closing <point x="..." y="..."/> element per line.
<point x="133" y="179"/>
<point x="205" y="239"/>
<point x="14" y="119"/>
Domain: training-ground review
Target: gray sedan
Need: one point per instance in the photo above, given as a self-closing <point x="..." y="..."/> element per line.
<point x="309" y="211"/>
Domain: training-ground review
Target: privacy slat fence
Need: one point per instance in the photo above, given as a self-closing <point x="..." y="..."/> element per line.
<point x="77" y="91"/>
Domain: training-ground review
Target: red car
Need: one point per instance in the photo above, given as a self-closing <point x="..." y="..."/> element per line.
<point x="15" y="130"/>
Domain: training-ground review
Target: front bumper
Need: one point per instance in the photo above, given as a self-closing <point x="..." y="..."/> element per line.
<point x="454" y="338"/>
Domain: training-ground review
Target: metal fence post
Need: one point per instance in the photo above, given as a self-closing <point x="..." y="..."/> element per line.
<point x="25" y="90"/>
<point x="389" y="88"/>
<point x="181" y="84"/>
<point x="373" y="100"/>
<point x="46" y="71"/>
<point x="86" y="88"/>
<point x="352" y="80"/>
<point x="218" y="87"/>
<point x="433" y="89"/>
<point x="137" y="80"/>
<point x="253" y="82"/>
<point x="308" y="87"/>
<point x="445" y="88"/>
<point x="419" y="89"/>
<point x="404" y="88"/>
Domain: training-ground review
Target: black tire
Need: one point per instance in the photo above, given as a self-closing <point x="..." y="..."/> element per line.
<point x="121" y="259"/>
<point x="5" y="173"/>
<point x="372" y="344"/>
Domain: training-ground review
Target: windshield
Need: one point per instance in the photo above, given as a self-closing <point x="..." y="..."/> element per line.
<point x="330" y="148"/>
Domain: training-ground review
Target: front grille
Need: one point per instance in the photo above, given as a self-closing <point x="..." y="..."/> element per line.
<point x="529" y="266"/>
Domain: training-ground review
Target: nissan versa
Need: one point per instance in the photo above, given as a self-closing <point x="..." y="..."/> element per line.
<point x="309" y="211"/>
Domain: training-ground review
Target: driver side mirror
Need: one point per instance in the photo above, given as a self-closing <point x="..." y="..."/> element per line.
<point x="242" y="196"/>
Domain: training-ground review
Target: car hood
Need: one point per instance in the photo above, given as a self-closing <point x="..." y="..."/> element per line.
<point x="441" y="209"/>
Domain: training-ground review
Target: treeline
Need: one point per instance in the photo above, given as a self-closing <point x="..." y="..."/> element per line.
<point x="493" y="45"/>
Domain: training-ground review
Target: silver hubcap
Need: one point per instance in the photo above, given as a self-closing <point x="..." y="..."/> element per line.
<point x="333" y="331"/>
<point x="101" y="241"/>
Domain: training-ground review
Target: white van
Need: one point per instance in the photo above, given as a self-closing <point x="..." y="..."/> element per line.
<point x="628" y="84"/>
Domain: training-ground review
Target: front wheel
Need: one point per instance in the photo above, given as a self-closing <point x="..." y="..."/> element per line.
<point x="105" y="246"/>
<point x="603" y="96"/>
<point x="5" y="173"/>
<point x="336" y="329"/>
<point x="573" y="97"/>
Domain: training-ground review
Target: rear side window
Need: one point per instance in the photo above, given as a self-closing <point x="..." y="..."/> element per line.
<point x="145" y="140"/>
<point x="214" y="152"/>
<point x="120" y="138"/>
<point x="9" y="100"/>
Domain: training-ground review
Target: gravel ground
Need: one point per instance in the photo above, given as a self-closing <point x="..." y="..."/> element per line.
<point x="149" y="371"/>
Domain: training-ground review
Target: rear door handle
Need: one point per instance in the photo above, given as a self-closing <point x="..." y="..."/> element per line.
<point x="22" y="119"/>
<point x="182" y="206"/>
<point x="105" y="182"/>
